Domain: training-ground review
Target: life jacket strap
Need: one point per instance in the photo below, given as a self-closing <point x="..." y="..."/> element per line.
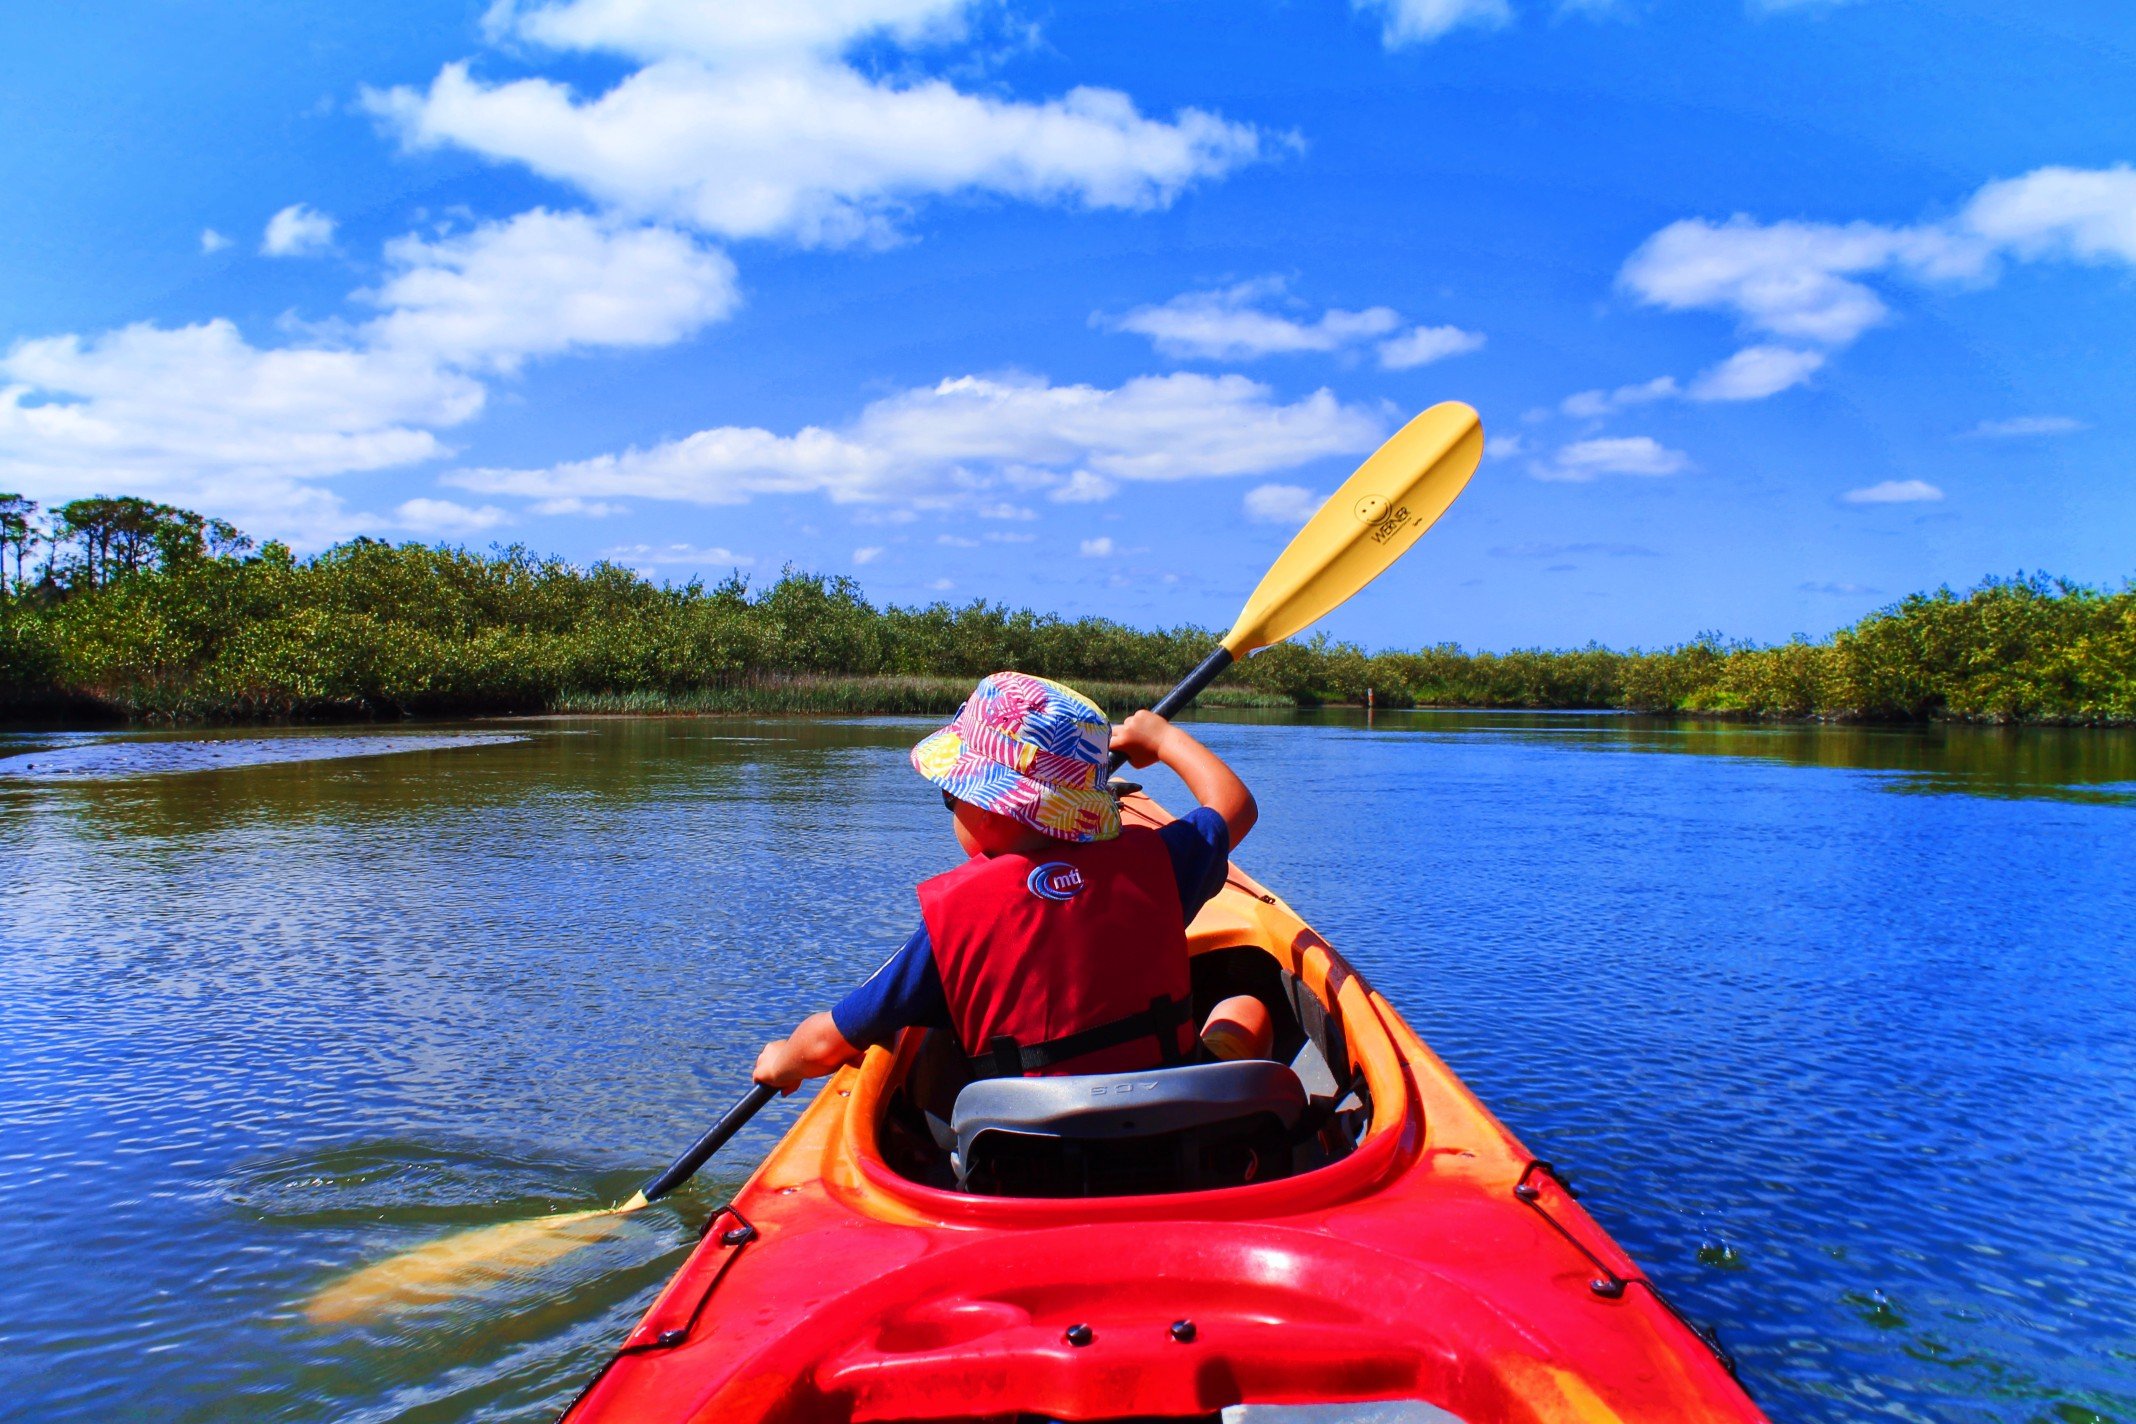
<point x="1006" y="1058"/>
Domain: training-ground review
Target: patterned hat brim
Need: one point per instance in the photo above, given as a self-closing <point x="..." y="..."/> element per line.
<point x="1067" y="813"/>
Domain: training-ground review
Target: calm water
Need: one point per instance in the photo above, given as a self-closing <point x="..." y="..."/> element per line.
<point x="1832" y="1027"/>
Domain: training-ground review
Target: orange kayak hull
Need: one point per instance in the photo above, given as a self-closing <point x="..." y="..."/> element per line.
<point x="1438" y="1262"/>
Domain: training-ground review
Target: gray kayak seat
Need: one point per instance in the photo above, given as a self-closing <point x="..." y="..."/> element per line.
<point x="1098" y="1107"/>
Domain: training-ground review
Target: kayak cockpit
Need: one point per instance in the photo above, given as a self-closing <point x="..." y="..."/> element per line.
<point x="1192" y="1128"/>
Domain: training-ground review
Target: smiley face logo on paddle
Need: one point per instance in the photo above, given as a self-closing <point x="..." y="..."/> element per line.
<point x="1055" y="880"/>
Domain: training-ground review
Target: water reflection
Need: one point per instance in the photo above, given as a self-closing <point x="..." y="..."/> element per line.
<point x="1848" y="1071"/>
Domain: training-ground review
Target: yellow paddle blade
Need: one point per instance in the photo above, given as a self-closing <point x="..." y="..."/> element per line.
<point x="1365" y="526"/>
<point x="466" y="1260"/>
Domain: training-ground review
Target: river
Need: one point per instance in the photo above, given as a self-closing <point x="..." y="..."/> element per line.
<point x="1832" y="1027"/>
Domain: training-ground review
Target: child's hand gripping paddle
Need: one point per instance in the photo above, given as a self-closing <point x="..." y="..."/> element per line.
<point x="1362" y="529"/>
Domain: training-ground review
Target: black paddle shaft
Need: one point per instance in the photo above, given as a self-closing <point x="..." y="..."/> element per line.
<point x="1190" y="687"/>
<point x="685" y="1167"/>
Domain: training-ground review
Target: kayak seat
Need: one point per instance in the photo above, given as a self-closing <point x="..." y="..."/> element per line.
<point x="1186" y="1128"/>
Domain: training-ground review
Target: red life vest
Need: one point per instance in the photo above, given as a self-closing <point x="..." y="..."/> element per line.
<point x="1039" y="949"/>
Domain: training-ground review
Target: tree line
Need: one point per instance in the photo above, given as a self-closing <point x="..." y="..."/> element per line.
<point x="143" y="610"/>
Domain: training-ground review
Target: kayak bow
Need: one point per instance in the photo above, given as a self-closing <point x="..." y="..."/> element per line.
<point x="1429" y="1258"/>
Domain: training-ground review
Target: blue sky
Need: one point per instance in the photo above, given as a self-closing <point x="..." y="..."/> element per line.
<point x="1774" y="311"/>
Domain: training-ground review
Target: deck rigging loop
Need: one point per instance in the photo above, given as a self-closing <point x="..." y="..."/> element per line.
<point x="1606" y="1283"/>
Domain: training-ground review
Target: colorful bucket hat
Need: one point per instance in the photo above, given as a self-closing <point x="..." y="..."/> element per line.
<point x="1031" y="750"/>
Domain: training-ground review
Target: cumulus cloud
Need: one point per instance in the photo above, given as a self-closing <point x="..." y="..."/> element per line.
<point x="583" y="508"/>
<point x="1289" y="505"/>
<point x="686" y="555"/>
<point x="950" y="444"/>
<point x="1235" y="324"/>
<point x="2021" y="426"/>
<point x="1420" y="346"/>
<point x="1083" y="487"/>
<point x="201" y="415"/>
<point x="545" y="282"/>
<point x="443" y="516"/>
<point x="1245" y="322"/>
<point x="657" y="29"/>
<point x="212" y="242"/>
<point x="1894" y="492"/>
<point x="1586" y="405"/>
<point x="296" y="231"/>
<point x="1809" y="281"/>
<point x="873" y="552"/>
<point x="1406" y="22"/>
<point x="1584" y="460"/>
<point x="1098" y="548"/>
<point x="750" y="124"/>
<point x="1756" y="372"/>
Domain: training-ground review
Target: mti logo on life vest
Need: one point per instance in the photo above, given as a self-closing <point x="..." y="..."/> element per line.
<point x="1055" y="880"/>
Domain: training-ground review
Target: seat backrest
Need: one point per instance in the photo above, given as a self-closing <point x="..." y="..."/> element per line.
<point x="1098" y="1107"/>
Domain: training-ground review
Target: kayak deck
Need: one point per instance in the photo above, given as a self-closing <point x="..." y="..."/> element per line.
<point x="1434" y="1261"/>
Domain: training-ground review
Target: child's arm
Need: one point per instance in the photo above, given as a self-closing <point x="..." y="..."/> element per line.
<point x="810" y="1051"/>
<point x="1147" y="737"/>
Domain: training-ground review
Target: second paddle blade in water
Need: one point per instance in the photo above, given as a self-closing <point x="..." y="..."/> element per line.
<point x="462" y="1262"/>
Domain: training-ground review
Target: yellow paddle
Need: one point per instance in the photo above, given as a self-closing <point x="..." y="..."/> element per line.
<point x="1363" y="528"/>
<point x="1351" y="540"/>
<point x="441" y="1269"/>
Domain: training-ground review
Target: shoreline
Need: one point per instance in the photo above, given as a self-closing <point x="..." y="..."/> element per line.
<point x="890" y="696"/>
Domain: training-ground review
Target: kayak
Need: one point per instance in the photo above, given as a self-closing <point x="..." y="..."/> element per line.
<point x="1339" y="1232"/>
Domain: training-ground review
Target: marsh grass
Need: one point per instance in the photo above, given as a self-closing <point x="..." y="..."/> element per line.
<point x="368" y="629"/>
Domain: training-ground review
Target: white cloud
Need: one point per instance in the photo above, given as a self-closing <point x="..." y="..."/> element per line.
<point x="158" y="407"/>
<point x="2026" y="425"/>
<point x="545" y="282"/>
<point x="1586" y="405"/>
<point x="1809" y="281"/>
<point x="1241" y="323"/>
<point x="771" y="136"/>
<point x="1789" y="278"/>
<point x="1290" y="505"/>
<point x="1753" y="373"/>
<point x="201" y="416"/>
<point x="1616" y="455"/>
<point x="1083" y="487"/>
<point x="868" y="555"/>
<point x="1232" y="324"/>
<point x="297" y="231"/>
<point x="687" y="555"/>
<point x="583" y="508"/>
<point x="947" y="445"/>
<point x="212" y="242"/>
<point x="941" y="585"/>
<point x="1098" y="548"/>
<point x="1503" y="447"/>
<point x="443" y="516"/>
<point x="655" y="29"/>
<point x="1756" y="372"/>
<point x="1424" y="344"/>
<point x="2088" y="215"/>
<point x="1894" y="492"/>
<point x="1406" y="22"/>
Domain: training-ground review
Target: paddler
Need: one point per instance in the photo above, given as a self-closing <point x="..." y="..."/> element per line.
<point x="1060" y="945"/>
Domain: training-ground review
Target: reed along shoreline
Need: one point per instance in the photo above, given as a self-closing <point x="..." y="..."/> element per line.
<point x="369" y="630"/>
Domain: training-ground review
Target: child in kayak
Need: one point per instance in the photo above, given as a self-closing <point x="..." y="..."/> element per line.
<point x="1060" y="945"/>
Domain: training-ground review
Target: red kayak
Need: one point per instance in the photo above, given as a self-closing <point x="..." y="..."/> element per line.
<point x="1343" y="1225"/>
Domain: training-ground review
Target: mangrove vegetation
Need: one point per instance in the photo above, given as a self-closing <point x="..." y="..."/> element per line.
<point x="130" y="609"/>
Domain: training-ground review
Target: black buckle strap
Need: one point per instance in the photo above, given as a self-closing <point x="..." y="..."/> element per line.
<point x="1005" y="1058"/>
